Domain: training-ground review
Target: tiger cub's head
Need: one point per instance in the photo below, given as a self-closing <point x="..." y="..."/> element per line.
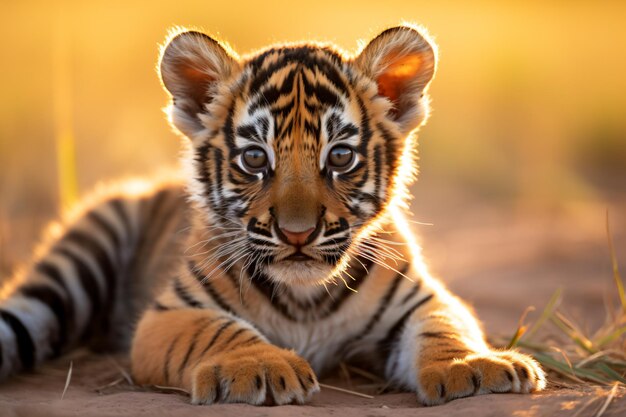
<point x="296" y="149"/>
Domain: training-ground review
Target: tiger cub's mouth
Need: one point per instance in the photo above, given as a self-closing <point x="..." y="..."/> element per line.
<point x="298" y="256"/>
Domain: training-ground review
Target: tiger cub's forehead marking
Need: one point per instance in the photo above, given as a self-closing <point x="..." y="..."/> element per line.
<point x="296" y="97"/>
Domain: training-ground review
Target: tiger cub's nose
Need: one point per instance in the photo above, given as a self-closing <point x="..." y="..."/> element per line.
<point x="297" y="238"/>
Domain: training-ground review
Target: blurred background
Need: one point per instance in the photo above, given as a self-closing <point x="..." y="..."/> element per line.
<point x="523" y="155"/>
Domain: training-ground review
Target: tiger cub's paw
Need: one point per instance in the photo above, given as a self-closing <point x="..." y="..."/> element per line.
<point x="494" y="372"/>
<point x="257" y="375"/>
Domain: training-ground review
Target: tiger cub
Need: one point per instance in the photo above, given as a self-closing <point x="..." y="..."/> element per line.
<point x="282" y="250"/>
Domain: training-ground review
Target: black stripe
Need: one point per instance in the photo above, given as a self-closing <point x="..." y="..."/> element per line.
<point x="52" y="271"/>
<point x="106" y="266"/>
<point x="104" y="263"/>
<point x="168" y="358"/>
<point x="314" y="308"/>
<point x="382" y="306"/>
<point x="93" y="247"/>
<point x="302" y="385"/>
<point x="208" y="287"/>
<point x="118" y="206"/>
<point x="266" y="287"/>
<point x="184" y="295"/>
<point x="388" y="342"/>
<point x="106" y="227"/>
<point x="152" y="207"/>
<point x="444" y="359"/>
<point x="25" y="345"/>
<point x="438" y="335"/>
<point x="154" y="215"/>
<point x="391" y="149"/>
<point x="411" y="293"/>
<point x="203" y="324"/>
<point x="455" y="351"/>
<point x="89" y="282"/>
<point x="253" y="338"/>
<point x="218" y="386"/>
<point x="160" y="307"/>
<point x="161" y="215"/>
<point x="377" y="174"/>
<point x="57" y="305"/>
<point x="217" y="334"/>
<point x="234" y="335"/>
<point x="384" y="303"/>
<point x="359" y="273"/>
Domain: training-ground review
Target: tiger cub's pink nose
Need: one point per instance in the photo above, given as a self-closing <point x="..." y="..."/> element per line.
<point x="297" y="238"/>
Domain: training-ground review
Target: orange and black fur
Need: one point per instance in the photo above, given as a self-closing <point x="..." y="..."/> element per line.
<point x="281" y="250"/>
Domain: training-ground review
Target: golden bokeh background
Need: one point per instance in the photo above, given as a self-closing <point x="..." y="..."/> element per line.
<point x="529" y="100"/>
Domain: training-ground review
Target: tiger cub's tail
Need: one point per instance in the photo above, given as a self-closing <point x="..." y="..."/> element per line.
<point x="93" y="275"/>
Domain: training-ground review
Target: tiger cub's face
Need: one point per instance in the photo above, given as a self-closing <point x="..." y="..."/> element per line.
<point x="296" y="149"/>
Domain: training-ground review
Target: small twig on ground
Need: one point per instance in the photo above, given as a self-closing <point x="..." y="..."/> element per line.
<point x="346" y="391"/>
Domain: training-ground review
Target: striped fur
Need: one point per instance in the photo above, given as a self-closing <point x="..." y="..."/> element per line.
<point x="250" y="280"/>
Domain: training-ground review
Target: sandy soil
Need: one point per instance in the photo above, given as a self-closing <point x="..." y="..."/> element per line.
<point x="498" y="260"/>
<point x="40" y="395"/>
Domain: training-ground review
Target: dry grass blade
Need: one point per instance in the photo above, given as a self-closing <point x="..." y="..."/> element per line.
<point x="346" y="374"/>
<point x="365" y="374"/>
<point x="572" y="332"/>
<point x="123" y="371"/>
<point x="101" y="388"/>
<point x="584" y="408"/>
<point x="599" y="359"/>
<point x="596" y="356"/>
<point x="565" y="357"/>
<point x="616" y="275"/>
<point x="609" y="398"/>
<point x="609" y="338"/>
<point x="346" y="391"/>
<point x="169" y="389"/>
<point x="68" y="379"/>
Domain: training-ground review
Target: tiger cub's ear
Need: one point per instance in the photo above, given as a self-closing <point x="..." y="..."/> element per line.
<point x="191" y="66"/>
<point x="402" y="62"/>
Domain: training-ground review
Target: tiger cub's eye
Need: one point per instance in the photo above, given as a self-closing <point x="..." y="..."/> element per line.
<point x="254" y="159"/>
<point x="340" y="157"/>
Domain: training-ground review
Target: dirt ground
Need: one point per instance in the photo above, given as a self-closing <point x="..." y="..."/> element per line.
<point x="500" y="259"/>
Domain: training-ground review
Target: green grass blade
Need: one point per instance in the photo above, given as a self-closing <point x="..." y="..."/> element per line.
<point x="545" y="314"/>
<point x="610" y="372"/>
<point x="577" y="338"/>
<point x="563" y="368"/>
<point x="611" y="337"/>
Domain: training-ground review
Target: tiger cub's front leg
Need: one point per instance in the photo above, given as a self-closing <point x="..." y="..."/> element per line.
<point x="217" y="358"/>
<point x="441" y="354"/>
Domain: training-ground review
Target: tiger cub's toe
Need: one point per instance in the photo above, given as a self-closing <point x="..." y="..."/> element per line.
<point x="263" y="375"/>
<point x="494" y="372"/>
